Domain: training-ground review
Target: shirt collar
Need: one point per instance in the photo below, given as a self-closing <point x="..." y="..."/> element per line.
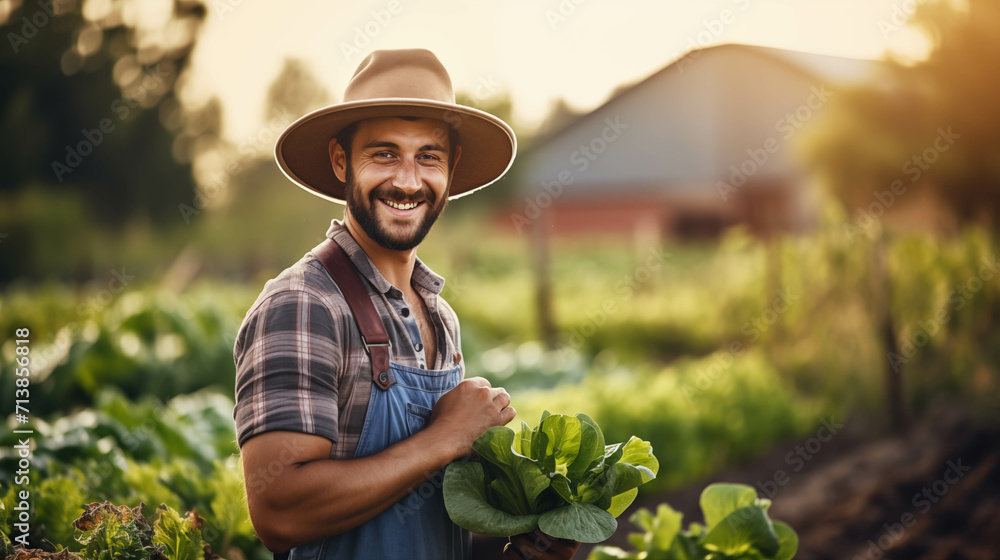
<point x="423" y="276"/>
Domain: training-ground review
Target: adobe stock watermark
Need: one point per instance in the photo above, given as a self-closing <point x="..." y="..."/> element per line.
<point x="922" y="501"/>
<point x="913" y="168"/>
<point x="799" y="456"/>
<point x="753" y="329"/>
<point x="453" y="288"/>
<point x="122" y="108"/>
<point x="625" y="288"/>
<point x="787" y="126"/>
<point x="562" y="12"/>
<point x="900" y="16"/>
<point x="87" y="309"/>
<point x="261" y="141"/>
<point x="580" y="159"/>
<point x="957" y="298"/>
<point x="32" y="24"/>
<point x="226" y="7"/>
<point x="290" y="454"/>
<point x="485" y="88"/>
<point x="419" y="496"/>
<point x="713" y="30"/>
<point x="365" y="33"/>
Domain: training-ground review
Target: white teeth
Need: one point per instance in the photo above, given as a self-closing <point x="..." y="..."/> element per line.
<point x="401" y="206"/>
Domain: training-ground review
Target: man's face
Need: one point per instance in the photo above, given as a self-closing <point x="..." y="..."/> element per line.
<point x="397" y="179"/>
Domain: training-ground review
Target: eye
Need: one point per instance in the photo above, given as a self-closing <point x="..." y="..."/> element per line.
<point x="384" y="154"/>
<point x="429" y="156"/>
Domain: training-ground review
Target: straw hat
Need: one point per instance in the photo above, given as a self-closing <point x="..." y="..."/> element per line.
<point x="396" y="83"/>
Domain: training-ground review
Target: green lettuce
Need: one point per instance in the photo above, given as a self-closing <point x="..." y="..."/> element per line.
<point x="110" y="532"/>
<point x="736" y="526"/>
<point x="560" y="477"/>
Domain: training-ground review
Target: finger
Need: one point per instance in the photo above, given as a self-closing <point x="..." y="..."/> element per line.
<point x="500" y="396"/>
<point x="481" y="381"/>
<point x="507" y="414"/>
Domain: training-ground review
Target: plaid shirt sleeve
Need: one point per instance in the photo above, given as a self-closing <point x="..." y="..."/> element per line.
<point x="288" y="356"/>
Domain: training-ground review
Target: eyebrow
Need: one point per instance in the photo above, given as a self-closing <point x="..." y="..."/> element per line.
<point x="385" y="144"/>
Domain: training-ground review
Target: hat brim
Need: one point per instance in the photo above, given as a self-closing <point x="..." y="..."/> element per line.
<point x="302" y="151"/>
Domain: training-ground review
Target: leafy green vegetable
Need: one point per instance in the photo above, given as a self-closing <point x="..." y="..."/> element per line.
<point x="736" y="526"/>
<point x="179" y="536"/>
<point x="110" y="532"/>
<point x="560" y="477"/>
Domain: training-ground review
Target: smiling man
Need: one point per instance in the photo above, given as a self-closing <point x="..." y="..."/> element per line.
<point x="350" y="389"/>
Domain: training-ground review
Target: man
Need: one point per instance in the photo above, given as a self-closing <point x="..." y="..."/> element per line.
<point x="338" y="427"/>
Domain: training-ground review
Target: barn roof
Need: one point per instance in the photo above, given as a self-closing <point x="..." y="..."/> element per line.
<point x="700" y="115"/>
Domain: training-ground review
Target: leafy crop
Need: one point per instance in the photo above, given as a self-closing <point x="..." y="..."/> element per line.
<point x="110" y="532"/>
<point x="559" y="477"/>
<point x="736" y="527"/>
<point x="180" y="453"/>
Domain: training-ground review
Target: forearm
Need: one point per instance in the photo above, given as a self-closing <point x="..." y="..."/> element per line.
<point x="324" y="497"/>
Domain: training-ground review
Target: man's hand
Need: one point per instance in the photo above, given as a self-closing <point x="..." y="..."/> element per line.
<point x="464" y="413"/>
<point x="536" y="545"/>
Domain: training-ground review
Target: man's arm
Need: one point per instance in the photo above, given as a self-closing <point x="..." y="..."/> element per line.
<point x="297" y="494"/>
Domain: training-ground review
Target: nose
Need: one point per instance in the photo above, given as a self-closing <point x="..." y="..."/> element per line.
<point x="406" y="177"/>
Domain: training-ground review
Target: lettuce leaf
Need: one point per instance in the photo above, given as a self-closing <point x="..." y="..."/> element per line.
<point x="737" y="526"/>
<point x="560" y="476"/>
<point x="110" y="532"/>
<point x="179" y="536"/>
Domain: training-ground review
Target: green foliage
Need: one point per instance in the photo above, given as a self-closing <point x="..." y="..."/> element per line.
<point x="143" y="342"/>
<point x="88" y="67"/>
<point x="736" y="527"/>
<point x="58" y="501"/>
<point x="109" y="532"/>
<point x="707" y="422"/>
<point x="179" y="536"/>
<point x="890" y="129"/>
<point x="180" y="453"/>
<point x="559" y="477"/>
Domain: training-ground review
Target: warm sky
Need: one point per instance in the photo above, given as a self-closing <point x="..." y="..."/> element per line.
<point x="538" y="50"/>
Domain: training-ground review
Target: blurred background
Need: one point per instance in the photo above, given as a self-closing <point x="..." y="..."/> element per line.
<point x="762" y="235"/>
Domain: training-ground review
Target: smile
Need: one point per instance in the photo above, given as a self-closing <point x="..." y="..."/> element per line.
<point x="398" y="206"/>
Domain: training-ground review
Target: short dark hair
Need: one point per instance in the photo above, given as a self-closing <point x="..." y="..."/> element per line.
<point x="346" y="137"/>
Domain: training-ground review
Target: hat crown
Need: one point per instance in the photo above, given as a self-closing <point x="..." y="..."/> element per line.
<point x="400" y="73"/>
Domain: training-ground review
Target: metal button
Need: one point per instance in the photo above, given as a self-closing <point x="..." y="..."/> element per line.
<point x="405" y="312"/>
<point x="382" y="377"/>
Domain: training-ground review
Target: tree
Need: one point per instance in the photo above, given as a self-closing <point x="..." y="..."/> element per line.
<point x="90" y="114"/>
<point x="933" y="125"/>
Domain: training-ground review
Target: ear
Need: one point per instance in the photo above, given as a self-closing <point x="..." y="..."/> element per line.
<point x="338" y="159"/>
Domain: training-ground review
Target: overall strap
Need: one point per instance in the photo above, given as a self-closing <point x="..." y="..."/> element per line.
<point x="373" y="334"/>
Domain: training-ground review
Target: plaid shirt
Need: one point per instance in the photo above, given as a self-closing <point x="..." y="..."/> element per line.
<point x="300" y="362"/>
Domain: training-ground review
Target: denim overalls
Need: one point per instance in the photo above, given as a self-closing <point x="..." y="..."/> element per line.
<point x="417" y="527"/>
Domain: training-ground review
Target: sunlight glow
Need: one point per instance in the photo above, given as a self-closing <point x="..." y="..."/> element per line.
<point x="538" y="52"/>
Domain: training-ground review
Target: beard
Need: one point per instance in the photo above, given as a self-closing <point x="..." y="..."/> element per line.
<point x="386" y="234"/>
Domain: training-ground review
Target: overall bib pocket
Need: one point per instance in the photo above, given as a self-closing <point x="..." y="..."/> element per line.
<point x="417" y="417"/>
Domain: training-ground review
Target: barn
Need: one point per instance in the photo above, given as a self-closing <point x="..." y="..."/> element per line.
<point x="702" y="144"/>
